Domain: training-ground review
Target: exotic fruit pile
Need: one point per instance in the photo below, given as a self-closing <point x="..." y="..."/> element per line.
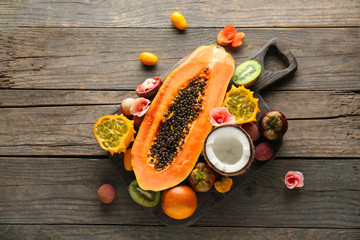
<point x="167" y="147"/>
<point x="187" y="114"/>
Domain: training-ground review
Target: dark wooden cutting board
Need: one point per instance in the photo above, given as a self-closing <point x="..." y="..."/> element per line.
<point x="208" y="199"/>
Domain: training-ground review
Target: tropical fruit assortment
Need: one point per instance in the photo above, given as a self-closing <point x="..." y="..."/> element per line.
<point x="190" y="113"/>
<point x="167" y="147"/>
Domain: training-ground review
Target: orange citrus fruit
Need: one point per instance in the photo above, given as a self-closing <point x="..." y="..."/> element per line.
<point x="179" y="202"/>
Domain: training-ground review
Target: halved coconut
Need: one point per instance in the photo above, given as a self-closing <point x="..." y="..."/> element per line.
<point x="228" y="149"/>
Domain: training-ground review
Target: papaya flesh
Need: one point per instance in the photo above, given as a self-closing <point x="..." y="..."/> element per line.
<point x="172" y="134"/>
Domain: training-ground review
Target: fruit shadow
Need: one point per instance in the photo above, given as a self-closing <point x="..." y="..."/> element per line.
<point x="178" y="31"/>
<point x="234" y="50"/>
<point x="148" y="68"/>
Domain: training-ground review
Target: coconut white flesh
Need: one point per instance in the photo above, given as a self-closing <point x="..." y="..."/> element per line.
<point x="228" y="149"/>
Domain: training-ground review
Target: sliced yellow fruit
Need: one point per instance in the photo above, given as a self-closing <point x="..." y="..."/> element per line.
<point x="114" y="133"/>
<point x="241" y="104"/>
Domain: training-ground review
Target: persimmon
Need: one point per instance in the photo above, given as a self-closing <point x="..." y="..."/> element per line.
<point x="179" y="202"/>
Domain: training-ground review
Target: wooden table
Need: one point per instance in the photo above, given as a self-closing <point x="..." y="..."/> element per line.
<point x="63" y="64"/>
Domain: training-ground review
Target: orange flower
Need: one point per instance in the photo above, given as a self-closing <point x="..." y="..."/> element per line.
<point x="229" y="35"/>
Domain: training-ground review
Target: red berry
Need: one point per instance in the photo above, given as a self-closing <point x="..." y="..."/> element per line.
<point x="106" y="193"/>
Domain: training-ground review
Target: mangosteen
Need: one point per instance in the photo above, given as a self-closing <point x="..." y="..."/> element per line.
<point x="201" y="178"/>
<point x="273" y="125"/>
<point x="149" y="88"/>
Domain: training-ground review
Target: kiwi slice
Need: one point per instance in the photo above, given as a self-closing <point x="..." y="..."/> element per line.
<point x="247" y="73"/>
<point x="142" y="197"/>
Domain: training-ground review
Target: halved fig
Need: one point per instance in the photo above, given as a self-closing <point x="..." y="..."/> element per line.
<point x="229" y="150"/>
<point x="149" y="88"/>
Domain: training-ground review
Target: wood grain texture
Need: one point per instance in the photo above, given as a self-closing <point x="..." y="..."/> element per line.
<point x="42" y="232"/>
<point x="304" y="104"/>
<point x="269" y="77"/>
<point x="112" y="13"/>
<point x="63" y="191"/>
<point x="65" y="63"/>
<point x="108" y="59"/>
<point x="68" y="130"/>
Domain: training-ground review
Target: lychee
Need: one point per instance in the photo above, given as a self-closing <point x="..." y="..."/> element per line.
<point x="106" y="193"/>
<point x="264" y="151"/>
<point x="252" y="130"/>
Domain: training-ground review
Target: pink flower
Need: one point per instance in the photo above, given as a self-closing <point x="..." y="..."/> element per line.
<point x="221" y="116"/>
<point x="294" y="179"/>
<point x="139" y="107"/>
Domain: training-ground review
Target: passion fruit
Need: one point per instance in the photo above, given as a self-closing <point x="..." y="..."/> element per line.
<point x="149" y="87"/>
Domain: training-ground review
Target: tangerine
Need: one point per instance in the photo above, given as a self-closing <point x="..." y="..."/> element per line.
<point x="179" y="202"/>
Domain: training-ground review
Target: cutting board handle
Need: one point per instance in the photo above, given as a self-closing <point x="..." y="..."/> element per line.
<point x="267" y="77"/>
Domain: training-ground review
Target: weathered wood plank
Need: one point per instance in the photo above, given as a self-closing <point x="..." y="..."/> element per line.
<point x="68" y="131"/>
<point x="63" y="191"/>
<point x="29" y="98"/>
<point x="87" y="58"/>
<point x="42" y="232"/>
<point x="111" y="13"/>
<point x="319" y="104"/>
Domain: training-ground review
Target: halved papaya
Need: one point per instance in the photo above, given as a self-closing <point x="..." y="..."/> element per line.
<point x="172" y="134"/>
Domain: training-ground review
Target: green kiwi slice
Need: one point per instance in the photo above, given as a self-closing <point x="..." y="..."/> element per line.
<point x="247" y="73"/>
<point x="142" y="197"/>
